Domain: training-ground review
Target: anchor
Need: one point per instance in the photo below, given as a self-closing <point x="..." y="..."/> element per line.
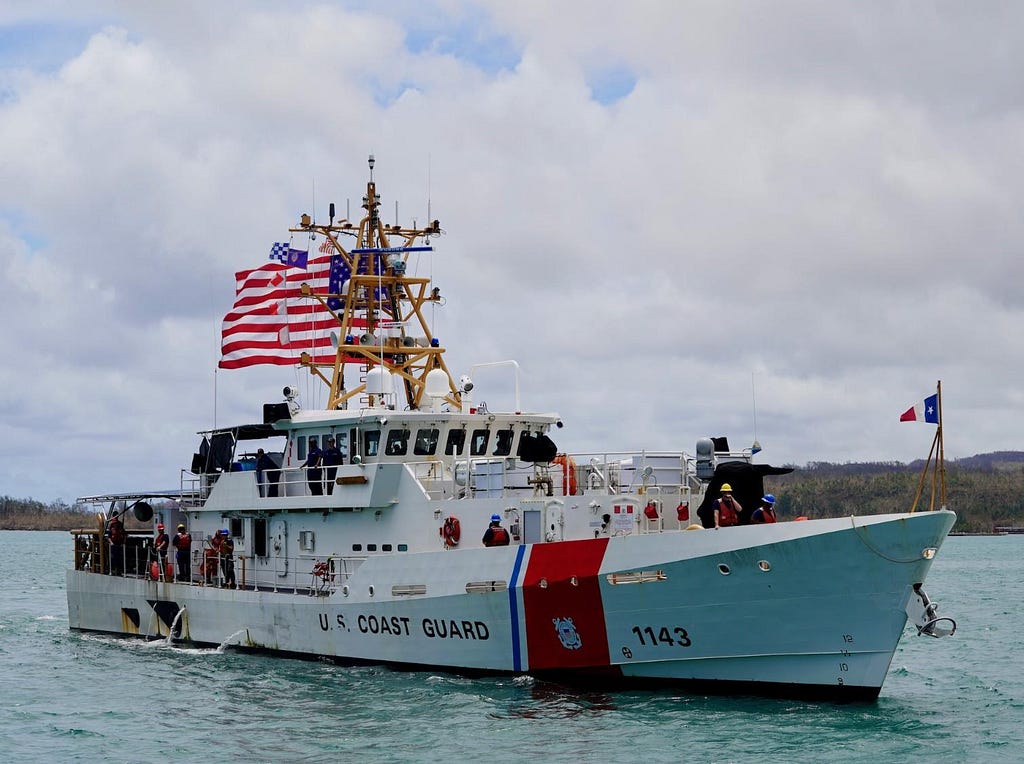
<point x="922" y="611"/>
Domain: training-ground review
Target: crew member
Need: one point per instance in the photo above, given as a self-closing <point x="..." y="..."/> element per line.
<point x="332" y="458"/>
<point x="227" y="558"/>
<point x="117" y="536"/>
<point x="211" y="557"/>
<point x="727" y="509"/>
<point x="766" y="512"/>
<point x="495" y="535"/>
<point x="314" y="475"/>
<point x="161" y="544"/>
<point x="182" y="543"/>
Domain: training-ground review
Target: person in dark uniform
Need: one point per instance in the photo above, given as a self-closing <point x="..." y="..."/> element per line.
<point x="160" y="544"/>
<point x="117" y="536"/>
<point x="332" y="458"/>
<point x="314" y="475"/>
<point x="495" y="535"/>
<point x="227" y="558"/>
<point x="182" y="543"/>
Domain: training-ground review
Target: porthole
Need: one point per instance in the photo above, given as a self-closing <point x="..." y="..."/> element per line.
<point x="723" y="569"/>
<point x="543" y="583"/>
<point x="764" y="565"/>
<point x="344" y="590"/>
<point x="371" y="590"/>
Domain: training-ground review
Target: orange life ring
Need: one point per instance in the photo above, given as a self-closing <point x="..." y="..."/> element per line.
<point x="451" y="531"/>
<point x="568" y="473"/>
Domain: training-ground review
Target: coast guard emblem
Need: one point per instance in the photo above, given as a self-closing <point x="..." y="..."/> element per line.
<point x="567" y="633"/>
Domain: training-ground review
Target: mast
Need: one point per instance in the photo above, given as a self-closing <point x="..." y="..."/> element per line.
<point x="379" y="307"/>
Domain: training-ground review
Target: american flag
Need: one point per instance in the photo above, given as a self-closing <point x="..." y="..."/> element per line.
<point x="271" y="323"/>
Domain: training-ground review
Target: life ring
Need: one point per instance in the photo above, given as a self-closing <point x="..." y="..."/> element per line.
<point x="451" y="531"/>
<point x="568" y="473"/>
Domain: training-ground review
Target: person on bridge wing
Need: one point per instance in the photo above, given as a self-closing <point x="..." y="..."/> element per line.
<point x="314" y="474"/>
<point x="727" y="509"/>
<point x="332" y="458"/>
<point x="495" y="535"/>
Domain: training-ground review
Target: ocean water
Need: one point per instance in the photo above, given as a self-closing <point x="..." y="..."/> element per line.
<point x="69" y="697"/>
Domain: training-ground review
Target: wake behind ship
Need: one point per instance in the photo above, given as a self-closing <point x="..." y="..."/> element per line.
<point x="353" y="532"/>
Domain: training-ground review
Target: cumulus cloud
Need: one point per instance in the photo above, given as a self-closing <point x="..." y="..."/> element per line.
<point x="684" y="219"/>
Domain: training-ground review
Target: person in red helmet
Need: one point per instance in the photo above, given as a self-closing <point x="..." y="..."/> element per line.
<point x="161" y="544"/>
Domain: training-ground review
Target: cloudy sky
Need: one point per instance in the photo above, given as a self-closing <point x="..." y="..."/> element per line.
<point x="780" y="220"/>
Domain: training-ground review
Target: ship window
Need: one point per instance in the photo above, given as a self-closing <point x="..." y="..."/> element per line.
<point x="426" y="441"/>
<point x="259" y="537"/>
<point x="300" y="448"/>
<point x="237" y="528"/>
<point x="371" y="547"/>
<point x="403" y="547"/>
<point x="385" y="547"/>
<point x="455" y="443"/>
<point x="398" y="442"/>
<point x="357" y="547"/>
<point x="478" y="445"/>
<point x="371" y="442"/>
<point x="503" y="442"/>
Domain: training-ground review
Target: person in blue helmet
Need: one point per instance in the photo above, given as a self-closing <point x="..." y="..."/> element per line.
<point x="495" y="535"/>
<point x="766" y="512"/>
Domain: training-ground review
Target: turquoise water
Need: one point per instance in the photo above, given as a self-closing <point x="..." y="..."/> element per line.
<point x="75" y="697"/>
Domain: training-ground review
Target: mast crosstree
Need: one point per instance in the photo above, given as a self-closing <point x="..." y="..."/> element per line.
<point x="379" y="307"/>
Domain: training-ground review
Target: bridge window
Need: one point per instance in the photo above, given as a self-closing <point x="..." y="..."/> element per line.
<point x="503" y="442"/>
<point x="478" y="444"/>
<point x="455" y="443"/>
<point x="371" y="442"/>
<point x="398" y="442"/>
<point x="426" y="441"/>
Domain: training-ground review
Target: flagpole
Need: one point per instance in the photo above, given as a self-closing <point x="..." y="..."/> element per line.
<point x="942" y="450"/>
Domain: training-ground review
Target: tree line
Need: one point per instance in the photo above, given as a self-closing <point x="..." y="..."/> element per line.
<point x="985" y="490"/>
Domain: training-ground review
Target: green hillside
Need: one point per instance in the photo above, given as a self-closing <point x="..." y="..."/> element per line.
<point x="985" y="490"/>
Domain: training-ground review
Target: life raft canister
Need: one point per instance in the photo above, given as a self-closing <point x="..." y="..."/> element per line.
<point x="568" y="473"/>
<point x="451" y="531"/>
<point x="683" y="512"/>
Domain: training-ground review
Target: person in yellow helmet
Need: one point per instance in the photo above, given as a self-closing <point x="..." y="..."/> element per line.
<point x="727" y="509"/>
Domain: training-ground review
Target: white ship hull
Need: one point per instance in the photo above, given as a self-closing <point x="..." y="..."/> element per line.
<point x="811" y="608"/>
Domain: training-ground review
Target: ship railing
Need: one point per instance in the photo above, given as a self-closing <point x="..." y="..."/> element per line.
<point x="96" y="553"/>
<point x="304" y="574"/>
<point x="633" y="472"/>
